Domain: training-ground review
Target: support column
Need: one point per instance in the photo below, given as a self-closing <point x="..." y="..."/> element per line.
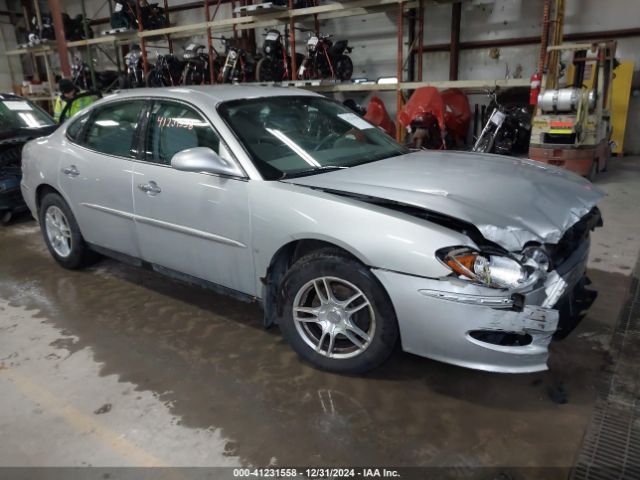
<point x="399" y="68"/>
<point x="61" y="42"/>
<point x="454" y="58"/>
<point x="292" y="43"/>
<point x="420" y="37"/>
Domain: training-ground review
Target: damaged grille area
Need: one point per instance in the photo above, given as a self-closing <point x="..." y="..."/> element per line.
<point x="611" y="447"/>
<point x="574" y="237"/>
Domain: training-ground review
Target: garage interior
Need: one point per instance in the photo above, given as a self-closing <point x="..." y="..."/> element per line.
<point x="113" y="366"/>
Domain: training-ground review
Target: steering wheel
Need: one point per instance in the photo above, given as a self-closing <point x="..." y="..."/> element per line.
<point x="331" y="137"/>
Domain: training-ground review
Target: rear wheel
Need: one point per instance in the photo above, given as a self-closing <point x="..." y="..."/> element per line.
<point x="5" y="217"/>
<point x="335" y="313"/>
<point x="62" y="234"/>
<point x="265" y="70"/>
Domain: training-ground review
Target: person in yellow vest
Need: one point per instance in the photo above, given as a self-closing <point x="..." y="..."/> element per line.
<point x="70" y="101"/>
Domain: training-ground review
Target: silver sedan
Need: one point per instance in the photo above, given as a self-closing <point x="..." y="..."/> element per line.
<point x="349" y="241"/>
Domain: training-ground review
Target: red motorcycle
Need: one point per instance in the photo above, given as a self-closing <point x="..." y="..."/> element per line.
<point x="436" y="120"/>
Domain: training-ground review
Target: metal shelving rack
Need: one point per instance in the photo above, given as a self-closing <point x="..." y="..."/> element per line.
<point x="412" y="10"/>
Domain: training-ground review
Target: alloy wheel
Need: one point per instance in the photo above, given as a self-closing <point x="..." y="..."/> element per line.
<point x="334" y="317"/>
<point x="58" y="231"/>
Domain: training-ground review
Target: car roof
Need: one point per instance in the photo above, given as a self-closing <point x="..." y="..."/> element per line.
<point x="217" y="93"/>
<point x="11" y="96"/>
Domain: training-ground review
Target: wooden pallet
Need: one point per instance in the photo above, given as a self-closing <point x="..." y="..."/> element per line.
<point x="257" y="9"/>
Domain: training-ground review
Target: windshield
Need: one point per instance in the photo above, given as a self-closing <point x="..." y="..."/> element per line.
<point x="292" y="136"/>
<point x="20" y="113"/>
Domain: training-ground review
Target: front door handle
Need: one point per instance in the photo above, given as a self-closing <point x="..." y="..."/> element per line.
<point x="150" y="188"/>
<point x="71" y="171"/>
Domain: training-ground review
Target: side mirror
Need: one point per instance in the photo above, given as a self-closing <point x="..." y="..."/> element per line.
<point x="203" y="159"/>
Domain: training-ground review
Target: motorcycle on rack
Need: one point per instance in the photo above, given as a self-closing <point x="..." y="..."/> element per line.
<point x="134" y="77"/>
<point x="196" y="65"/>
<point x="275" y="65"/>
<point x="106" y="80"/>
<point x="125" y="16"/>
<point x="507" y="131"/>
<point x="47" y="32"/>
<point x="238" y="66"/>
<point x="167" y="72"/>
<point x="73" y="29"/>
<point x="326" y="59"/>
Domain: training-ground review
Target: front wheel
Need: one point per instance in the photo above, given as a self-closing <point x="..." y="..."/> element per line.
<point x="265" y="70"/>
<point x="344" y="68"/>
<point x="335" y="313"/>
<point x="62" y="234"/>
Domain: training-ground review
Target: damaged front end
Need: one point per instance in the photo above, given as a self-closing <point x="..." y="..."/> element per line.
<point x="497" y="311"/>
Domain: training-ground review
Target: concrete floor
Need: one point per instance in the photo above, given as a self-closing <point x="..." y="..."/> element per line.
<point x="116" y="366"/>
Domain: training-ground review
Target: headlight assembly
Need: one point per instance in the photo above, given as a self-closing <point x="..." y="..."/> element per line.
<point x="490" y="269"/>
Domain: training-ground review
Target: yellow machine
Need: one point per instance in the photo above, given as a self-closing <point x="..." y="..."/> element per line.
<point x="572" y="125"/>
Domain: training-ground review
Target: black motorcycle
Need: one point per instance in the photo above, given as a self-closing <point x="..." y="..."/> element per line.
<point x="125" y="16"/>
<point x="106" y="80"/>
<point x="326" y="59"/>
<point x="134" y="77"/>
<point x="47" y="32"/>
<point x="73" y="29"/>
<point x="167" y="71"/>
<point x="196" y="68"/>
<point x="238" y="66"/>
<point x="507" y="131"/>
<point x="275" y="65"/>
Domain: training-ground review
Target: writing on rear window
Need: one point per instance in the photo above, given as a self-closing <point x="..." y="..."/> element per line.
<point x="168" y="122"/>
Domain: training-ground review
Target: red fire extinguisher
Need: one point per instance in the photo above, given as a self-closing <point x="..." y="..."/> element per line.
<point x="536" y="84"/>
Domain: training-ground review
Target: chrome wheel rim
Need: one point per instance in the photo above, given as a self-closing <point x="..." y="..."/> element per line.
<point x="334" y="317"/>
<point x="58" y="231"/>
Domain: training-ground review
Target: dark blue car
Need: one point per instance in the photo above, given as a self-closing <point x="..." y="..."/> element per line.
<point x="20" y="121"/>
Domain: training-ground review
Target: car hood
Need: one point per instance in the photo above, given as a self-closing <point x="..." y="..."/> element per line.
<point x="511" y="201"/>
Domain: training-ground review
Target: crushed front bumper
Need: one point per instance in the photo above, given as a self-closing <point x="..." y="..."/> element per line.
<point x="472" y="326"/>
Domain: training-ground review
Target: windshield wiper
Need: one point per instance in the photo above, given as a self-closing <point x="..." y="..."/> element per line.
<point x="311" y="171"/>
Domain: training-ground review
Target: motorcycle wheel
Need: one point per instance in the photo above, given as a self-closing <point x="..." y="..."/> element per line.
<point x="344" y="68"/>
<point x="226" y="76"/>
<point x="153" y="79"/>
<point x="485" y="143"/>
<point x="265" y="70"/>
<point x="123" y="82"/>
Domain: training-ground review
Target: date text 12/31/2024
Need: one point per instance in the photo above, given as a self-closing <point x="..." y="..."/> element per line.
<point x="315" y="473"/>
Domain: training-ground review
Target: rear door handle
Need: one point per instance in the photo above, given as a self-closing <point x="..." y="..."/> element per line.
<point x="71" y="171"/>
<point x="150" y="188"/>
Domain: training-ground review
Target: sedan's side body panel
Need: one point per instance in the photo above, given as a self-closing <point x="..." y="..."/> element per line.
<point x="98" y="191"/>
<point x="282" y="212"/>
<point x="196" y="224"/>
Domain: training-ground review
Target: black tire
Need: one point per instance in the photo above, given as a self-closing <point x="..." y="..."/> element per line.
<point x="154" y="79"/>
<point x="265" y="71"/>
<point x="6" y="217"/>
<point x="80" y="255"/>
<point x="344" y="68"/>
<point x="330" y="262"/>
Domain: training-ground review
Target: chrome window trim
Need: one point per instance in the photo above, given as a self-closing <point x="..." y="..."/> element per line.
<point x="89" y="111"/>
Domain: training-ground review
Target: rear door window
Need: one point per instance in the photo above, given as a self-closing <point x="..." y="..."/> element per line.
<point x="112" y="128"/>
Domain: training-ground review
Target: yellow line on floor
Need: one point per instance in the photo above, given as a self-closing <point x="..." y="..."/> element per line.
<point x="79" y="421"/>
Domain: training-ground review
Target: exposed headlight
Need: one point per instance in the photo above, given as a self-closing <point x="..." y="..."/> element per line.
<point x="537" y="258"/>
<point x="493" y="270"/>
<point x="267" y="49"/>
